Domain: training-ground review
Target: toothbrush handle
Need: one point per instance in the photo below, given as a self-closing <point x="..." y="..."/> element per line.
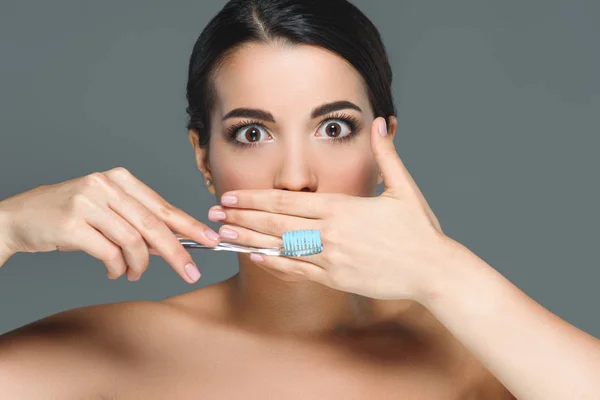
<point x="191" y="244"/>
<point x="223" y="246"/>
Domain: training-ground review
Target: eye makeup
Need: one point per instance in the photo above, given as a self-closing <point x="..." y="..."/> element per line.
<point x="352" y="122"/>
<point x="233" y="131"/>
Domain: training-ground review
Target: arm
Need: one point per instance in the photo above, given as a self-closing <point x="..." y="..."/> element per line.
<point x="534" y="353"/>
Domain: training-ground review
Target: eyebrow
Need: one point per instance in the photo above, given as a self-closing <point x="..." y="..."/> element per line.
<point x="267" y="116"/>
<point x="335" y="106"/>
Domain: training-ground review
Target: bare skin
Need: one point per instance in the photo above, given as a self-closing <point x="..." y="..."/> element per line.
<point x="260" y="334"/>
<point x="194" y="346"/>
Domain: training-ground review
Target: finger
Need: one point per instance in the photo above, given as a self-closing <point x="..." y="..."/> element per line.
<point x="395" y="175"/>
<point x="158" y="236"/>
<point x="290" y="266"/>
<point x="260" y="221"/>
<point x="398" y="181"/>
<point x="176" y="219"/>
<point x="306" y="205"/>
<point x="239" y="235"/>
<point x="247" y="237"/>
<point x="122" y="233"/>
<point x="98" y="246"/>
<point x="152" y="228"/>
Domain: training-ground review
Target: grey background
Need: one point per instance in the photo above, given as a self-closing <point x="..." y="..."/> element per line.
<point x="499" y="115"/>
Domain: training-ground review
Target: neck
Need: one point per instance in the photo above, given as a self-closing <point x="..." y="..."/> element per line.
<point x="264" y="302"/>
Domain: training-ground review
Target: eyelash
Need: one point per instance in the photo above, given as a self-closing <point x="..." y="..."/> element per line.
<point x="350" y="120"/>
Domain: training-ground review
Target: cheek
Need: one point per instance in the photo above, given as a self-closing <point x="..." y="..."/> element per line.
<point x="350" y="172"/>
<point x="238" y="169"/>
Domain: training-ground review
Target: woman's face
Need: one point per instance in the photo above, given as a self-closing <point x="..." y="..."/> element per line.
<point x="289" y="117"/>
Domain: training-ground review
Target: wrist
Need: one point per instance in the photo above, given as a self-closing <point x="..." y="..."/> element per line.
<point x="455" y="267"/>
<point x="5" y="251"/>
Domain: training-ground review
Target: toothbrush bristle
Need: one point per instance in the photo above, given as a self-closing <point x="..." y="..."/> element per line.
<point x="302" y="243"/>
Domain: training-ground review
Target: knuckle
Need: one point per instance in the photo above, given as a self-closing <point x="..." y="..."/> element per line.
<point x="139" y="266"/>
<point x="119" y="173"/>
<point x="115" y="271"/>
<point x="280" y="202"/>
<point x="143" y="266"/>
<point x="272" y="225"/>
<point x="80" y="202"/>
<point x="329" y="236"/>
<point x="113" y="255"/>
<point x="132" y="238"/>
<point x="94" y="179"/>
<point x="330" y="256"/>
<point x="149" y="220"/>
<point x="140" y="269"/>
<point x="166" y="210"/>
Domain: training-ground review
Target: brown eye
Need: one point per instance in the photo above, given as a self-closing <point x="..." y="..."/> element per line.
<point x="335" y="128"/>
<point x="252" y="134"/>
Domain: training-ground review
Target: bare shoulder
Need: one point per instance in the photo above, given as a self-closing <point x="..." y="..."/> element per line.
<point x="489" y="387"/>
<point x="98" y="344"/>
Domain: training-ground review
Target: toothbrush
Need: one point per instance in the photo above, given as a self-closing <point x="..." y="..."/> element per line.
<point x="298" y="243"/>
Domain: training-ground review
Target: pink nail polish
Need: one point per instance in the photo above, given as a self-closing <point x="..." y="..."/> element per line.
<point x="229" y="234"/>
<point x="215" y="215"/>
<point x="256" y="257"/>
<point x="229" y="200"/>
<point x="192" y="271"/>
<point x="383" y="127"/>
<point x="212" y="235"/>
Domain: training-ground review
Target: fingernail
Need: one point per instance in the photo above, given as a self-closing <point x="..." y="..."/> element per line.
<point x="134" y="278"/>
<point x="215" y="215"/>
<point x="382" y="127"/>
<point x="229" y="234"/>
<point x="192" y="271"/>
<point x="256" y="257"/>
<point x="229" y="200"/>
<point x="212" y="235"/>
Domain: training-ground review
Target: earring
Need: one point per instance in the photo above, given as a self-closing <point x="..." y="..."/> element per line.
<point x="208" y="182"/>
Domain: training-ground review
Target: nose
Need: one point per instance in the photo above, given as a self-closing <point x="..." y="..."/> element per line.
<point x="295" y="172"/>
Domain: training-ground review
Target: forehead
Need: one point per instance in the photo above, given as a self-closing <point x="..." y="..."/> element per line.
<point x="278" y="77"/>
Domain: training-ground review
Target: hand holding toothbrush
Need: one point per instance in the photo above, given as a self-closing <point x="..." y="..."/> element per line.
<point x="111" y="215"/>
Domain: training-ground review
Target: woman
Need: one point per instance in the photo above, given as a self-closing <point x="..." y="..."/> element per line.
<point x="291" y="120"/>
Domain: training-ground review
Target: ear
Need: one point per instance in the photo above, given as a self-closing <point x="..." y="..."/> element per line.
<point x="202" y="161"/>
<point x="392" y="124"/>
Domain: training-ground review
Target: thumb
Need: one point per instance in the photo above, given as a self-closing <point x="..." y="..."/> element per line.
<point x="395" y="175"/>
<point x="399" y="183"/>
